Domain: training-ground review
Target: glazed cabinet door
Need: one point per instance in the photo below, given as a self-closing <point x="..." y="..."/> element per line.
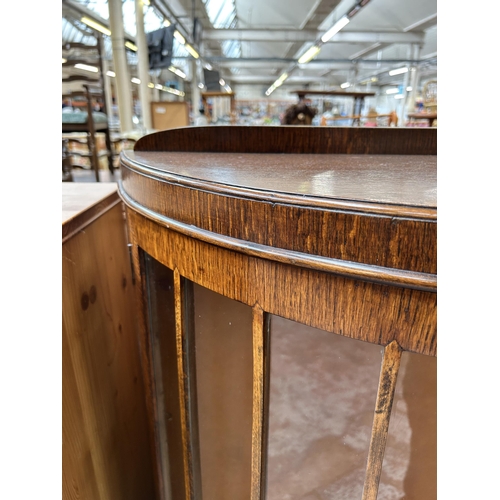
<point x="251" y="405"/>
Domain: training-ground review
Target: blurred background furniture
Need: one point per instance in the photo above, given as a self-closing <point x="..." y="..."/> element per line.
<point x="359" y="99"/>
<point x="86" y="108"/>
<point x="429" y="117"/>
<point x="90" y="122"/>
<point x="219" y="106"/>
<point x="169" y="114"/>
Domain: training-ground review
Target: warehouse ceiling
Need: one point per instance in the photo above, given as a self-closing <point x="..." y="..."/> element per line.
<point x="257" y="41"/>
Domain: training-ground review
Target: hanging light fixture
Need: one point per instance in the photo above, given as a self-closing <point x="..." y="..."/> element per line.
<point x="309" y="54"/>
<point x="335" y="29"/>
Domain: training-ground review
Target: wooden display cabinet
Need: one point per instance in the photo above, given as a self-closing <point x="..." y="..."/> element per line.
<point x="287" y="302"/>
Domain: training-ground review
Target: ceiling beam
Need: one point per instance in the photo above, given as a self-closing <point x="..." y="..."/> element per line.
<point x="255" y="79"/>
<point x="423" y="23"/>
<point x="82" y="10"/>
<point x="272" y="62"/>
<point x="265" y="65"/>
<point x="249" y="35"/>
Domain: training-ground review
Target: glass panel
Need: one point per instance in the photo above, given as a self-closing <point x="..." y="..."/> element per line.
<point x="323" y="389"/>
<point x="410" y="462"/>
<point x="160" y="290"/>
<point x="223" y="339"/>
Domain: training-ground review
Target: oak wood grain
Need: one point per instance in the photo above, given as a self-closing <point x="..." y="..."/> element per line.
<point x="258" y="335"/>
<point x="183" y="297"/>
<point x="183" y="389"/>
<point x="158" y="325"/>
<point x="293" y="140"/>
<point x="357" y="309"/>
<point x="383" y="407"/>
<point x="357" y="208"/>
<point x="369" y="272"/>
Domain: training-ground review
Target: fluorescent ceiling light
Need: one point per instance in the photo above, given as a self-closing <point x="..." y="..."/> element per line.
<point x="398" y="71"/>
<point x="177" y="71"/>
<point x="158" y="86"/>
<point x="86" y="67"/>
<point x="135" y="80"/>
<point x="151" y="85"/>
<point x="179" y="37"/>
<point x="131" y="46"/>
<point x="208" y="66"/>
<point x="281" y="79"/>
<point x="145" y="2"/>
<point x="200" y="85"/>
<point x="374" y="79"/>
<point x="192" y="51"/>
<point x="64" y="60"/>
<point x="276" y="84"/>
<point x="335" y="29"/>
<point x="222" y="82"/>
<point x="399" y="96"/>
<point x="271" y="89"/>
<point x="173" y="91"/>
<point x="227" y="88"/>
<point x="392" y="91"/>
<point x="345" y="85"/>
<point x="112" y="74"/>
<point x="96" y="26"/>
<point x="309" y="54"/>
<point x="409" y="89"/>
<point x="166" y="23"/>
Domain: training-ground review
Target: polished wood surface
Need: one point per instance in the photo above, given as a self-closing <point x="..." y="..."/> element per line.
<point x="344" y="186"/>
<point x="334" y="228"/>
<point x="292" y="140"/>
<point x="364" y="235"/>
<point x="387" y="179"/>
<point x="105" y="450"/>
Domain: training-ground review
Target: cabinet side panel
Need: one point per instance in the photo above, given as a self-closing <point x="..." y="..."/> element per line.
<point x="100" y="322"/>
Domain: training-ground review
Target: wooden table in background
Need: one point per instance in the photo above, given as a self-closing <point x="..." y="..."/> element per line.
<point x="430" y="117"/>
<point x="205" y="96"/>
<point x="359" y="98"/>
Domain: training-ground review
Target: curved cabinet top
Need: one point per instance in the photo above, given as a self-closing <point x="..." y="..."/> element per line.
<point x="360" y="202"/>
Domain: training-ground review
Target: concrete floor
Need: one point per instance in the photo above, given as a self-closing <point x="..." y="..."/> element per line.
<point x="323" y="390"/>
